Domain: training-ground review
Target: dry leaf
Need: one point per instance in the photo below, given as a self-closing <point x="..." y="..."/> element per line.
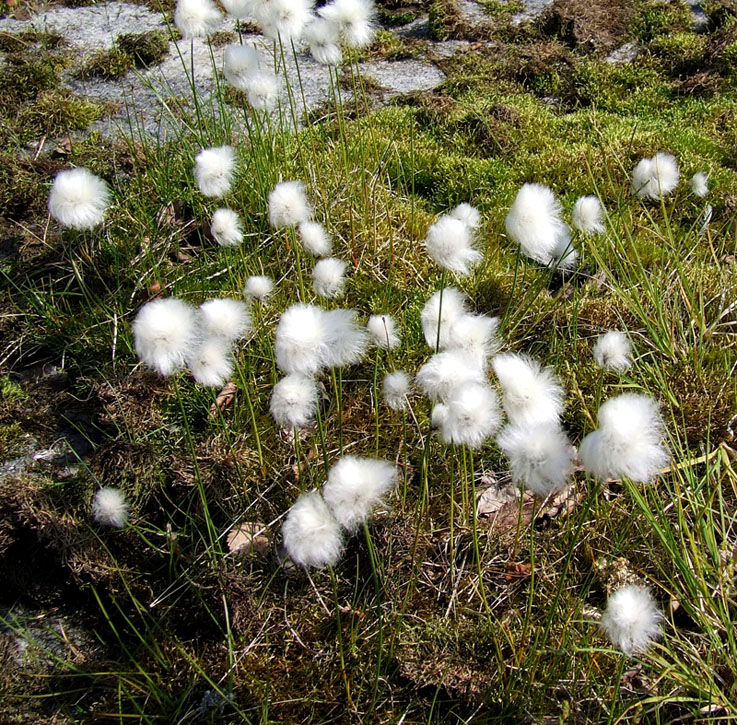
<point x="492" y="499"/>
<point x="247" y="537"/>
<point x="65" y="145"/>
<point x="517" y="571"/>
<point x="182" y="257"/>
<point x="154" y="288"/>
<point x="224" y="398"/>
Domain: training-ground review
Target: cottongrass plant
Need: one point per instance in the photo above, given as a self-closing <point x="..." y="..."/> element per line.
<point x="656" y="177"/>
<point x="259" y="287"/>
<point x="449" y="242"/>
<point x="78" y="199"/>
<point x="328" y="277"/>
<point x="315" y="238"/>
<point x="613" y="351"/>
<point x="445" y="371"/>
<point x="294" y="401"/>
<point x="226" y="228"/>
<point x="214" y="169"/>
<point x="396" y="388"/>
<point x="438" y="315"/>
<point x="699" y="184"/>
<point x="288" y="205"/>
<point x="197" y="18"/>
<point x="588" y="215"/>
<point x="632" y="619"/>
<point x="226" y="318"/>
<point x="110" y="508"/>
<point x="471" y="415"/>
<point x="301" y="340"/>
<point x="312" y="535"/>
<point x="355" y="20"/>
<point x="211" y="361"/>
<point x="383" y="331"/>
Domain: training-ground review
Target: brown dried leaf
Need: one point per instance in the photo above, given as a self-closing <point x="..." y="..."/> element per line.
<point x="154" y="288"/>
<point x="492" y="499"/>
<point x="224" y="398"/>
<point x="182" y="257"/>
<point x="247" y="537"/>
<point x="65" y="145"/>
<point x="517" y="571"/>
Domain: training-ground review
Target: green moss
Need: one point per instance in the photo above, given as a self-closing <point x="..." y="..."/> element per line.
<point x="502" y="9"/>
<point x="445" y="20"/>
<point x="681" y="53"/>
<point x="13" y="441"/>
<point x="659" y="18"/>
<point x="25" y="77"/>
<point x="57" y="111"/>
<point x="111" y="64"/>
<point x="389" y="46"/>
<point x="28" y="40"/>
<point x="147" y="48"/>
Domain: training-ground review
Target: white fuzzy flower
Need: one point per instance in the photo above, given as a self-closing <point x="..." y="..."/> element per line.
<point x="632" y="619"/>
<point x="628" y="442"/>
<point x="612" y="351"/>
<point x="540" y="456"/>
<point x="564" y="254"/>
<point x="475" y="334"/>
<point x="452" y="307"/>
<point x="656" y="177"/>
<point x="355" y="18"/>
<point x="383" y="331"/>
<point x="288" y="205"/>
<point x="78" y="199"/>
<point x="700" y="183"/>
<point x="530" y="393"/>
<point x="445" y="371"/>
<point x="355" y="487"/>
<point x="588" y="215"/>
<point x="468" y="214"/>
<point x="315" y="238"/>
<point x="214" y="169"/>
<point x="262" y="90"/>
<point x="324" y="40"/>
<point x="345" y="340"/>
<point x="312" y="536"/>
<point x="534" y="222"/>
<point x="300" y="340"/>
<point x="226" y="228"/>
<point x="259" y="287"/>
<point x="396" y="389"/>
<point x="226" y="318"/>
<point x="239" y="9"/>
<point x="110" y="508"/>
<point x="196" y="18"/>
<point x="450" y="244"/>
<point x="293" y="401"/>
<point x="328" y="277"/>
<point x="165" y="333"/>
<point x="473" y="415"/>
<point x="239" y="63"/>
<point x="439" y="415"/>
<point x="285" y="19"/>
<point x="211" y="362"/>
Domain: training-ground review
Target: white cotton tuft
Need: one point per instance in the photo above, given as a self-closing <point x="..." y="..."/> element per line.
<point x="312" y="536"/>
<point x="439" y="415"/>
<point x="324" y="40"/>
<point x="196" y="18"/>
<point x="452" y="307"/>
<point x="534" y="222"/>
<point x="450" y="244"/>
<point x="314" y="238"/>
<point x="383" y="331"/>
<point x="588" y="215"/>
<point x="355" y="18"/>
<point x="656" y="177"/>
<point x="294" y="401"/>
<point x="345" y="340"/>
<point x="355" y="487"/>
<point x="700" y="183"/>
<point x="300" y="340"/>
<point x="473" y="414"/>
<point x="165" y="333"/>
<point x="78" y="199"/>
<point x="612" y="351"/>
<point x="239" y="9"/>
<point x="110" y="508"/>
<point x="226" y="228"/>
<point x="540" y="456"/>
<point x="285" y="19"/>
<point x="396" y="389"/>
<point x="259" y="287"/>
<point x="262" y="90"/>
<point x="226" y="318"/>
<point x="564" y="254"/>
<point x="328" y="277"/>
<point x="468" y="214"/>
<point x="211" y="362"/>
<point x="239" y="63"/>
<point x="628" y="442"/>
<point x="288" y="205"/>
<point x="476" y="335"/>
<point x="214" y="169"/>
<point x="530" y="393"/>
<point x="445" y="371"/>
<point x="632" y="620"/>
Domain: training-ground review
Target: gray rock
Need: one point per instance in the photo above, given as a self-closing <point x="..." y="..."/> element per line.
<point x="405" y="76"/>
<point x="624" y="54"/>
<point x="533" y="8"/>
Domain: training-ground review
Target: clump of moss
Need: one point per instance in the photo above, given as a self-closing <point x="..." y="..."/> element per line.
<point x="13" y="441"/>
<point x="400" y="16"/>
<point x="57" y="111"/>
<point x="223" y="37"/>
<point x="659" y="18"/>
<point x="680" y="53"/>
<point x="25" y="77"/>
<point x="28" y="40"/>
<point x="390" y="47"/>
<point x="145" y="49"/>
<point x="110" y="64"/>
<point x="445" y="20"/>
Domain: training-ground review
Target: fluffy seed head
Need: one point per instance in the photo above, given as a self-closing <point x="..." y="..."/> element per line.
<point x="285" y="19"/>
<point x="700" y="183"/>
<point x="288" y="205"/>
<point x="293" y="401"/>
<point x="324" y="39"/>
<point x="239" y="9"/>
<point x="262" y="90"/>
<point x="588" y="215"/>
<point x="214" y="169"/>
<point x="211" y="362"/>
<point x="78" y="199"/>
<point x="449" y="243"/>
<point x="564" y="254"/>
<point x="301" y="340"/>
<point x="328" y="277"/>
<point x="473" y="415"/>
<point x="612" y="351"/>
<point x="239" y="63"/>
<point x="475" y="334"/>
<point x="226" y="228"/>
<point x="196" y="18"/>
<point x="534" y="222"/>
<point x="314" y="238"/>
<point x="468" y="214"/>
<point x="355" y="18"/>
<point x="165" y="333"/>
<point x="312" y="536"/>
<point x="439" y="415"/>
<point x="628" y="442"/>
<point x="229" y="319"/>
<point x="453" y="306"/>
<point x="445" y="371"/>
<point x="345" y="340"/>
<point x="656" y="177"/>
<point x="530" y="393"/>
<point x="110" y="508"/>
<point x="383" y="331"/>
<point x="396" y="389"/>
<point x="355" y="487"/>
<point x="259" y="287"/>
<point x="632" y="619"/>
<point x="540" y="456"/>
